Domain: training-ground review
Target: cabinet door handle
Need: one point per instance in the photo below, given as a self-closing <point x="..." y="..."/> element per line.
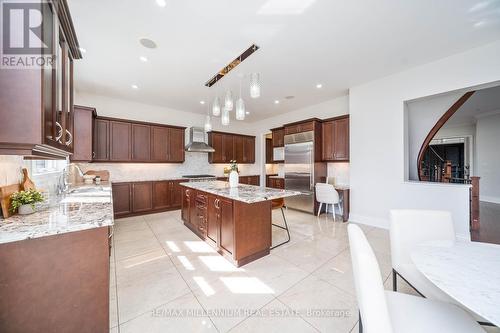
<point x="93" y="154"/>
<point x="70" y="140"/>
<point x="60" y="134"/>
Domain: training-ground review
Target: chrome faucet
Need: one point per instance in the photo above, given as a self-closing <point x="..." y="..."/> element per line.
<point x="63" y="184"/>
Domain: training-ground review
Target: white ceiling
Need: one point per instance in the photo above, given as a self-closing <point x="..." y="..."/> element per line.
<point x="303" y="42"/>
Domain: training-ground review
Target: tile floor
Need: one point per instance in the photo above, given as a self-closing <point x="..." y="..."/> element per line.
<point x="165" y="279"/>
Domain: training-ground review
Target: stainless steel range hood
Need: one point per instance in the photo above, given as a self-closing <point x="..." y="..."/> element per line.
<point x="197" y="141"/>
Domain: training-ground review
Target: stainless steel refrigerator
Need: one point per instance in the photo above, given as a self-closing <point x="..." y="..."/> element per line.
<point x="299" y="170"/>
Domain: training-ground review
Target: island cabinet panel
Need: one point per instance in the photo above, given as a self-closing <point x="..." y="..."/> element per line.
<point x="335" y="139"/>
<point x="119" y="141"/>
<point x="213" y="219"/>
<point x="101" y="140"/>
<point x="56" y="283"/>
<point x="239" y="231"/>
<point x="226" y="223"/>
<point x="186" y="204"/>
<point x="141" y="143"/>
<point x="122" y="199"/>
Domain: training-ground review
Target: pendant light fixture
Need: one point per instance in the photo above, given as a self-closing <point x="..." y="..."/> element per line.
<point x="225" y="117"/>
<point x="208" y="121"/>
<point x="216" y="106"/>
<point x="240" y="107"/>
<point x="228" y="101"/>
<point x="255" y="85"/>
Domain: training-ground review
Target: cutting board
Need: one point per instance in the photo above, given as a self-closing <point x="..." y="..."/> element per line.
<point x="27" y="183"/>
<point x="5" y="193"/>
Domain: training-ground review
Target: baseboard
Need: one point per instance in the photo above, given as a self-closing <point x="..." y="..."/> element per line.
<point x="368" y="220"/>
<point x="489" y="199"/>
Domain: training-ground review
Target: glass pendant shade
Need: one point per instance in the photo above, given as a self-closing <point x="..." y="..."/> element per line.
<point x="255" y="85"/>
<point x="208" y="123"/>
<point x="240" y="109"/>
<point x="225" y="117"/>
<point x="228" y="101"/>
<point x="216" y="107"/>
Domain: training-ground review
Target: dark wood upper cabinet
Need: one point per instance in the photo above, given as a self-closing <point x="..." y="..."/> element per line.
<point x="278" y="137"/>
<point x="335" y="139"/>
<point x="141" y="143"/>
<point x="101" y="140"/>
<point x="120" y="135"/>
<point x="239" y="149"/>
<point x="118" y="140"/>
<point x="83" y="134"/>
<point x="37" y="103"/>
<point x="159" y="143"/>
<point x="248" y="149"/>
<point x="303" y="126"/>
<point x="142" y="196"/>
<point x="269" y="151"/>
<point x="122" y="199"/>
<point x="176" y="145"/>
<point x="229" y="146"/>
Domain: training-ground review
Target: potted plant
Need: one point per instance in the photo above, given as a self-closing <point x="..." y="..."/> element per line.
<point x="24" y="201"/>
<point x="233" y="175"/>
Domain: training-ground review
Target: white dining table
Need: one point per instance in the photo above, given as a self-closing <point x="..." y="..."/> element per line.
<point x="469" y="272"/>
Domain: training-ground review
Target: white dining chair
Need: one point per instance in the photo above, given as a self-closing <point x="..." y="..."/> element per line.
<point x="408" y="228"/>
<point x="384" y="311"/>
<point x="328" y="195"/>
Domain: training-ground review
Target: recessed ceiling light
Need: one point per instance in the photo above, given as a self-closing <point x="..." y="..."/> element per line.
<point x="161" y="3"/>
<point x="202" y="102"/>
<point x="147" y="43"/>
<point x="83" y="50"/>
<point x="276" y="102"/>
<point x="319" y="86"/>
<point x="143" y="59"/>
<point x="248" y="112"/>
<point x="135" y="86"/>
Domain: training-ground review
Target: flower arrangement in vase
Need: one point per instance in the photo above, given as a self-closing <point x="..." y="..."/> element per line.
<point x="233" y="175"/>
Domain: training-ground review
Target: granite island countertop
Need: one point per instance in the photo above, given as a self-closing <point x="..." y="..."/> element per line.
<point x="244" y="193"/>
<point x="83" y="207"/>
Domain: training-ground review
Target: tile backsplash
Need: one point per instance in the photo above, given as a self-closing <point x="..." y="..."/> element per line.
<point x="10" y="169"/>
<point x="195" y="163"/>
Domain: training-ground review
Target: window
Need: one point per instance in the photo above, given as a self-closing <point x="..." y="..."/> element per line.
<point x="40" y="167"/>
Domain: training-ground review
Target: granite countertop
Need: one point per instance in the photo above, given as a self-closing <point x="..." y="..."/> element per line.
<point x="243" y="193"/>
<point x="83" y="207"/>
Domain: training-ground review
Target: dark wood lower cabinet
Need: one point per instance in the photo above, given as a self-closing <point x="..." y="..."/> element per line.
<point x="142" y="197"/>
<point x="57" y="283"/>
<point x="239" y="231"/>
<point x="139" y="198"/>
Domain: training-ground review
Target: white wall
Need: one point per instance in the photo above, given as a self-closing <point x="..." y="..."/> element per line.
<point x="422" y="115"/>
<point x="10" y="169"/>
<point x="378" y="143"/>
<point x="488" y="157"/>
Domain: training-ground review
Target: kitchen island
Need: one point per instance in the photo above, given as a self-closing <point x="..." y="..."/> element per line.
<point x="236" y="221"/>
<point x="54" y="274"/>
